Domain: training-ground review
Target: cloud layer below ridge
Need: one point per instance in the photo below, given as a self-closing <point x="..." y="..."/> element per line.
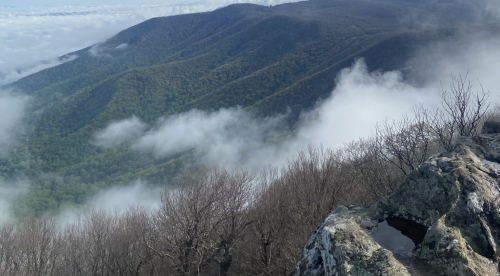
<point x="32" y="38"/>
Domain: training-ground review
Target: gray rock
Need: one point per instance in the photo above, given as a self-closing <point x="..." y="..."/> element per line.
<point x="491" y="127"/>
<point x="453" y="196"/>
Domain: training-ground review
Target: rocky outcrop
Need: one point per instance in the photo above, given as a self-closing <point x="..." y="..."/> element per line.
<point x="449" y="208"/>
<point x="491" y="128"/>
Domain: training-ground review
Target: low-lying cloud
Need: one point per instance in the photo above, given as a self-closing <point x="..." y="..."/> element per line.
<point x="213" y="133"/>
<point x="233" y="138"/>
<point x="120" y="132"/>
<point x="228" y="137"/>
<point x="33" y="38"/>
<point x="477" y="53"/>
<point x="13" y="75"/>
<point x="122" y="46"/>
<point x="117" y="200"/>
<point x="122" y="197"/>
<point x="9" y="191"/>
<point x="361" y="99"/>
<point x="13" y="110"/>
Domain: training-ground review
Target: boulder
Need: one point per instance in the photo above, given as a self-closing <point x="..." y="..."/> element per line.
<point x="491" y="127"/>
<point x="449" y="209"/>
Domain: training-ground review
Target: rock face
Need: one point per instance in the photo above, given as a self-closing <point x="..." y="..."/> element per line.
<point x="491" y="128"/>
<point x="449" y="207"/>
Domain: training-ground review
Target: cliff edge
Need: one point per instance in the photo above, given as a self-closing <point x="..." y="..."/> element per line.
<point x="443" y="220"/>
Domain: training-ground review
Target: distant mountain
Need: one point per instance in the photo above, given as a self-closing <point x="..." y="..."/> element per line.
<point x="265" y="59"/>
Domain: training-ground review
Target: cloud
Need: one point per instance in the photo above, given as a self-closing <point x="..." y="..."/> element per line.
<point x="117" y="133"/>
<point x="117" y="199"/>
<point x="206" y="3"/>
<point x="96" y="50"/>
<point x="122" y="46"/>
<point x="32" y="38"/>
<point x="13" y="110"/>
<point x="477" y="53"/>
<point x="360" y="100"/>
<point x="122" y="197"/>
<point x="493" y="8"/>
<point x="13" y="75"/>
<point x="233" y="138"/>
<point x="9" y="192"/>
<point x="227" y="137"/>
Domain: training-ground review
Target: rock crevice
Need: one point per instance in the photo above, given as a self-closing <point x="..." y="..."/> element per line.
<point x="449" y="207"/>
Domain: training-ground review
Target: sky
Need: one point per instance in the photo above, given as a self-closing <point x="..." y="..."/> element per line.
<point x="52" y="3"/>
<point x="48" y="3"/>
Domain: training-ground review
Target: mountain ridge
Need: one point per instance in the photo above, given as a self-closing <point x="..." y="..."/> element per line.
<point x="268" y="60"/>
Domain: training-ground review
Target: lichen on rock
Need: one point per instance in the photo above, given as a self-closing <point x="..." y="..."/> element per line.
<point x="454" y="195"/>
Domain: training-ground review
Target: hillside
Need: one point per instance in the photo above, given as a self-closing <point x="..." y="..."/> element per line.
<point x="268" y="60"/>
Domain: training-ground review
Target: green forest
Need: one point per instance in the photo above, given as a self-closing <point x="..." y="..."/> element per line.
<point x="268" y="60"/>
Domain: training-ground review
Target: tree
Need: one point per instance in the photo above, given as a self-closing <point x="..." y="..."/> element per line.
<point x="406" y="143"/>
<point x="201" y="219"/>
<point x="37" y="247"/>
<point x="9" y="264"/>
<point x="463" y="111"/>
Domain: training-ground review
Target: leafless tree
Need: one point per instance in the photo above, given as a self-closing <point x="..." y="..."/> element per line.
<point x="9" y="263"/>
<point x="463" y="111"/>
<point x="288" y="205"/>
<point x="74" y="248"/>
<point x="128" y="254"/>
<point x="219" y="222"/>
<point x="261" y="251"/>
<point x="38" y="244"/>
<point x="97" y="229"/>
<point x="200" y="220"/>
<point x="367" y="172"/>
<point x="408" y="142"/>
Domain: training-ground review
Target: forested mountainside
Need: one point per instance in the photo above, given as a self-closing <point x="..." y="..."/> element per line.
<point x="268" y="60"/>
